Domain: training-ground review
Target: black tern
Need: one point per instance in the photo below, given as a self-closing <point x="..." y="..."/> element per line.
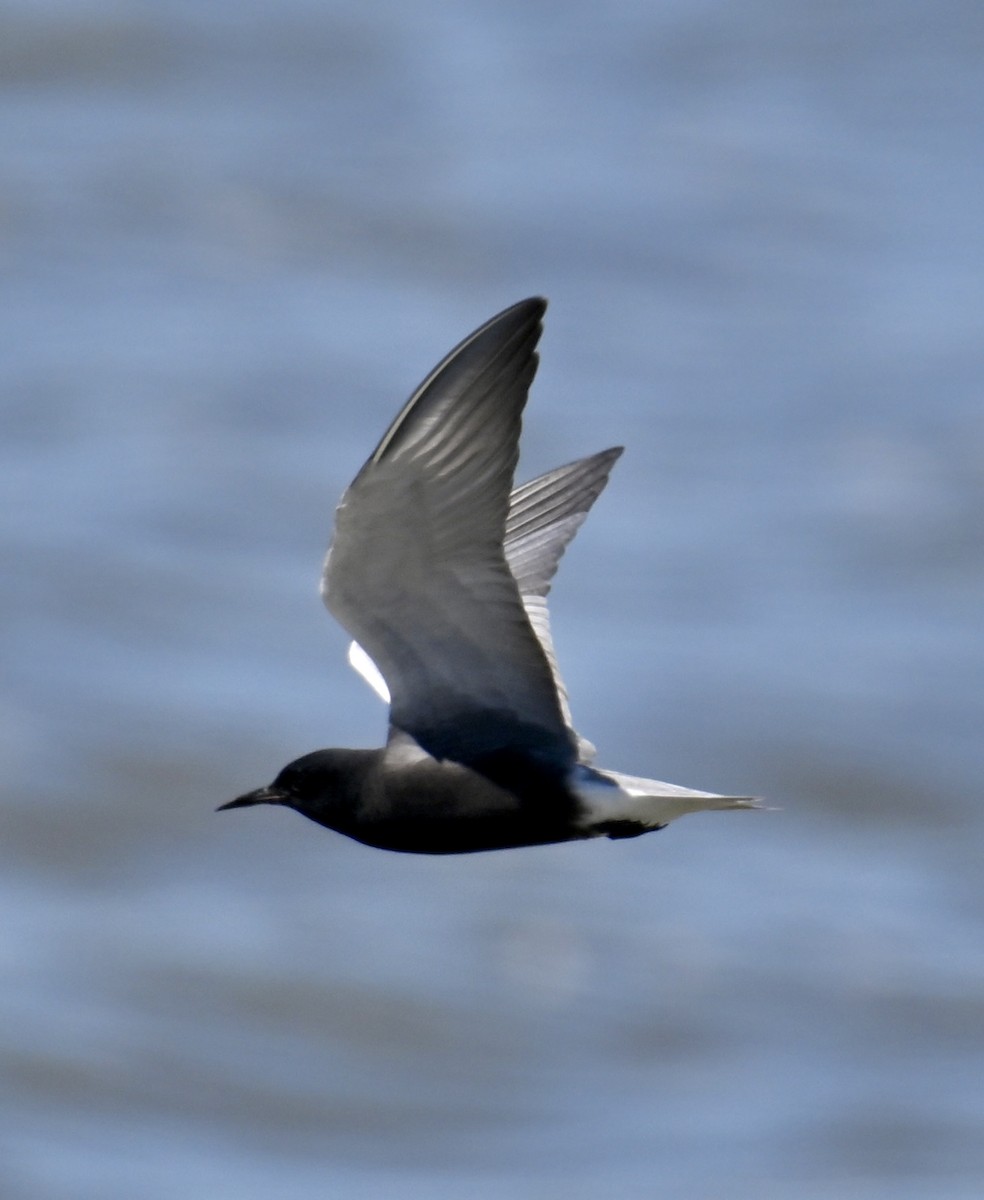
<point x="440" y="571"/>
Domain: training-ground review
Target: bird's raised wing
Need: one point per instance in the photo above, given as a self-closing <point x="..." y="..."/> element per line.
<point x="544" y="515"/>
<point x="417" y="572"/>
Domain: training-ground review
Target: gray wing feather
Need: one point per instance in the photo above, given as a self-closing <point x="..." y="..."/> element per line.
<point x="544" y="515"/>
<point x="417" y="572"/>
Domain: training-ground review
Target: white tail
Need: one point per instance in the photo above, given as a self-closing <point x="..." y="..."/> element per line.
<point x="613" y="800"/>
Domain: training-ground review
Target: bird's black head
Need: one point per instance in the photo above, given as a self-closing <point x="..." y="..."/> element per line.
<point x="322" y="785"/>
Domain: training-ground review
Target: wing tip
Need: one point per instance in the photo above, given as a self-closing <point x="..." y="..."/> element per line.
<point x="532" y="304"/>
<point x="521" y="324"/>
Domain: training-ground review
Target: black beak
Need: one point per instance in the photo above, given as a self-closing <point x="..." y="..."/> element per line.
<point x="263" y="795"/>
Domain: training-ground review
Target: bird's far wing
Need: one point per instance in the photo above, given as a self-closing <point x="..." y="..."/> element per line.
<point x="544" y="515"/>
<point x="417" y="572"/>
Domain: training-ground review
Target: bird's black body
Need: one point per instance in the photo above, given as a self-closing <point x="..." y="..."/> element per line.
<point x="425" y="806"/>
<point x="440" y="570"/>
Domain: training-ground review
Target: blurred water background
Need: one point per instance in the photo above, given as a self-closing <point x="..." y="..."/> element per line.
<point x="232" y="239"/>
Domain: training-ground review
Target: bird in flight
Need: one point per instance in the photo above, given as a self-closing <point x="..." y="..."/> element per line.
<point x="439" y="569"/>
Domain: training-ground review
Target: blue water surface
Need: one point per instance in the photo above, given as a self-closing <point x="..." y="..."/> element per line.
<point x="232" y="239"/>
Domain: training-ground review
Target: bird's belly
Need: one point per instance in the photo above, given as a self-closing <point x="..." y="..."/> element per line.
<point x="445" y="808"/>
